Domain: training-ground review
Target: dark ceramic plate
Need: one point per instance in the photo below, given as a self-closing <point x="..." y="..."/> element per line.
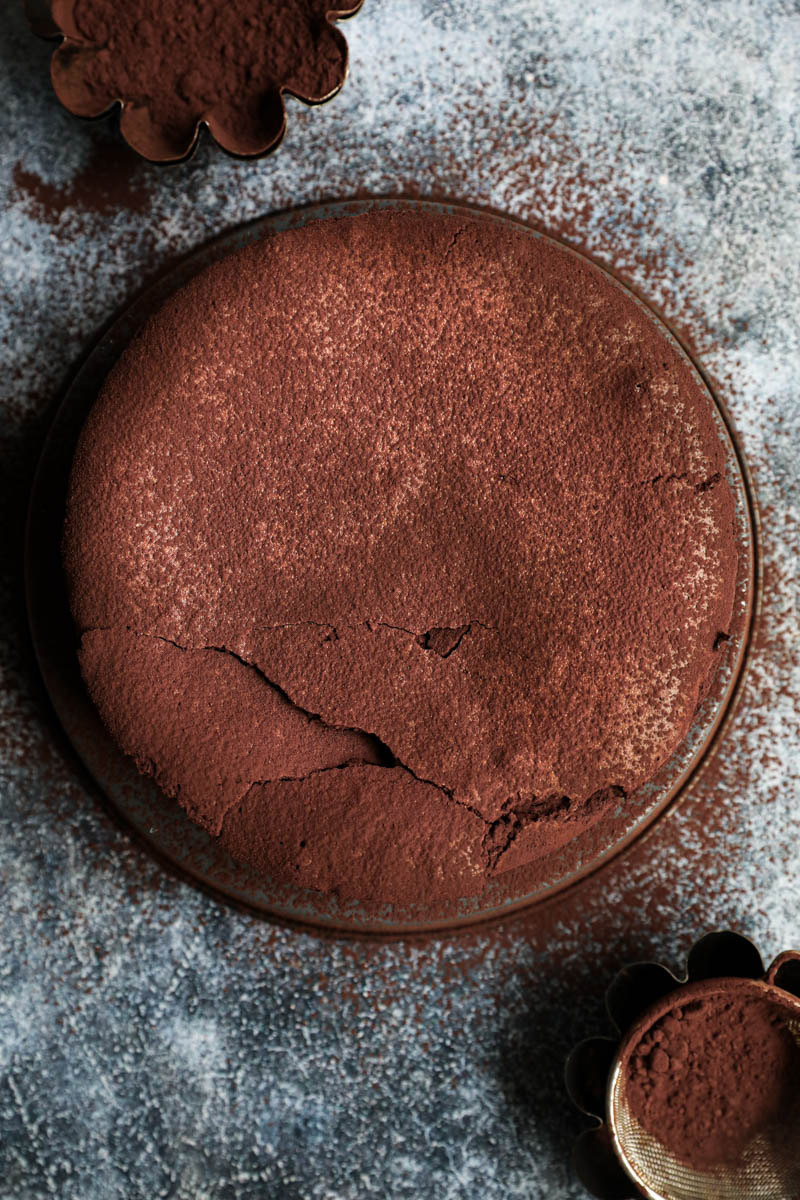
<point x="162" y="823"/>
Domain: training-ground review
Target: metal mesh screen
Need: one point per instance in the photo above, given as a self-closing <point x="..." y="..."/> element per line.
<point x="769" y="1167"/>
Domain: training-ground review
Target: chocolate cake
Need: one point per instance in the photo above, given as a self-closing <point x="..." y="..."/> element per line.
<point x="399" y="547"/>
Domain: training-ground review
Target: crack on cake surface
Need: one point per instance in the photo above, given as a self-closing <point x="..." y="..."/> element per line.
<point x="452" y="243"/>
<point x="342" y="766"/>
<point x="383" y="756"/>
<point x="533" y="810"/>
<point x="673" y="477"/>
<point x="704" y="485"/>
<point x="443" y="640"/>
<point x="709" y="483"/>
<point x="500" y="833"/>
<point x="333" y="632"/>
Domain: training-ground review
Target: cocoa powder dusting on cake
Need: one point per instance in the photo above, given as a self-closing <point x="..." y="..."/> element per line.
<point x="483" y="548"/>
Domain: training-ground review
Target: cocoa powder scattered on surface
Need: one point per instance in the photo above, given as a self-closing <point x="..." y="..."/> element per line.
<point x="712" y="1074"/>
<point x="442" y="489"/>
<point x="174" y="63"/>
<point x="730" y="858"/>
<point x="112" y="179"/>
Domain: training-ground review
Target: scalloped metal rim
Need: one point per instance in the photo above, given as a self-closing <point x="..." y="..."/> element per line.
<point x="717" y="959"/>
<point x="50" y="31"/>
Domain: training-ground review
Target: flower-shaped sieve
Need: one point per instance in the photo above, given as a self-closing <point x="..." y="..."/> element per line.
<point x="173" y="67"/>
<point x="593" y="1065"/>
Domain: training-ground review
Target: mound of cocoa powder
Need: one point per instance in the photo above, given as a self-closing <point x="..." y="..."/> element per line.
<point x="399" y="546"/>
<point x="175" y="63"/>
<point x="712" y="1074"/>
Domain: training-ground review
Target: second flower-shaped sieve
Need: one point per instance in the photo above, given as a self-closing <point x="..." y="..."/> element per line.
<point x="701" y="1098"/>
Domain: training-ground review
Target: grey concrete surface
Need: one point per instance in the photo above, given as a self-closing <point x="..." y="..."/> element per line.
<point x="155" y="1043"/>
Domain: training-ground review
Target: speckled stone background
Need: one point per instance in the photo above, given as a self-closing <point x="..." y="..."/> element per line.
<point x="153" y="1042"/>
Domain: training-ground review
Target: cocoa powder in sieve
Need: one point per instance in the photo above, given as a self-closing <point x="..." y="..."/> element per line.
<point x="174" y="64"/>
<point x="710" y="1075"/>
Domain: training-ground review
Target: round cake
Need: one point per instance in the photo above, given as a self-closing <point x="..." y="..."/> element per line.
<point x="400" y="549"/>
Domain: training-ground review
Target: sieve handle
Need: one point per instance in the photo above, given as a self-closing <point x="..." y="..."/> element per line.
<point x="784" y="972"/>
